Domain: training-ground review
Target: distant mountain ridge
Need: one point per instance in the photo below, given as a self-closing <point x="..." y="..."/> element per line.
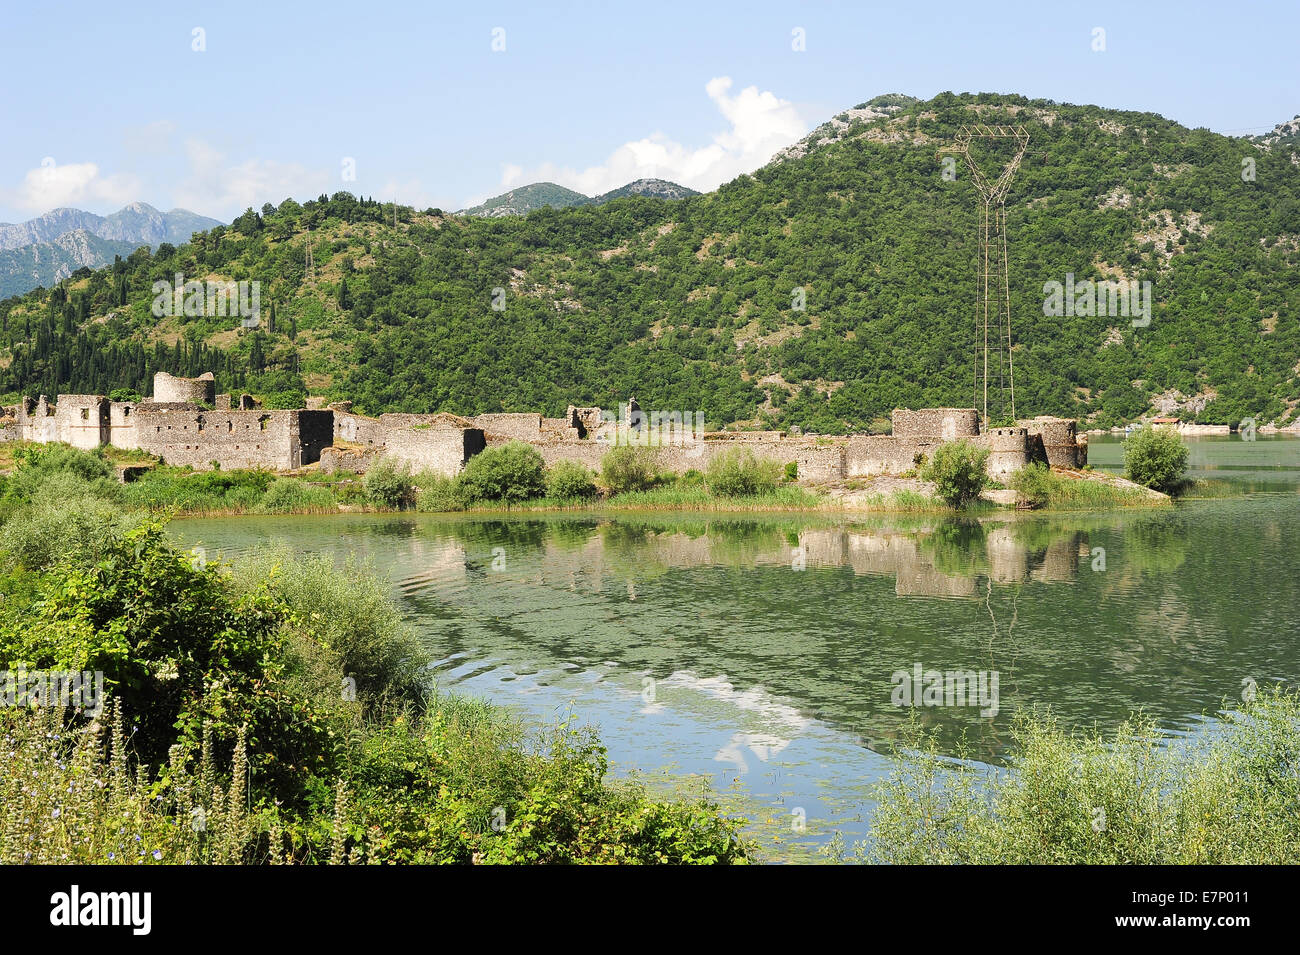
<point x="139" y="222"/>
<point x="537" y="195"/>
<point x="42" y="264"/>
<point x="49" y="248"/>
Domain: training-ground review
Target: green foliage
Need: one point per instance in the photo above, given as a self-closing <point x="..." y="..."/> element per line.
<point x="567" y="479"/>
<point x="1040" y="487"/>
<point x="628" y="467"/>
<point x="1033" y="483"/>
<point x="511" y="472"/>
<point x="721" y="266"/>
<point x="438" y="493"/>
<point x="1155" y="458"/>
<point x="124" y="394"/>
<point x="61" y="482"/>
<point x="957" y="472"/>
<point x="68" y="797"/>
<point x="291" y="495"/>
<point x="1222" y="798"/>
<point x="344" y="623"/>
<point x="736" y="472"/>
<point x="237" y="687"/>
<point x="690" y="478"/>
<point x="389" y="483"/>
<point x="288" y="400"/>
<point x="76" y="525"/>
<point x="792" y="470"/>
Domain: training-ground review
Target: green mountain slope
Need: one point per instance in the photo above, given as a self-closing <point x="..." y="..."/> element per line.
<point x="651" y="188"/>
<point x="692" y="304"/>
<point x="521" y="201"/>
<point x="541" y="195"/>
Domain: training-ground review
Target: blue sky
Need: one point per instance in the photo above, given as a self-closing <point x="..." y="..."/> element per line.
<point x="102" y="104"/>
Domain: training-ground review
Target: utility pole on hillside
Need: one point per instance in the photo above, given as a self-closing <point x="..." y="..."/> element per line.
<point x="993" y="308"/>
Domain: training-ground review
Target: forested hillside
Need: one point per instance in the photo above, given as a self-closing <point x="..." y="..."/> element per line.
<point x="692" y="304"/>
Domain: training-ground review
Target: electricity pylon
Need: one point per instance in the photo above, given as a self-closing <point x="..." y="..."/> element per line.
<point x="993" y="308"/>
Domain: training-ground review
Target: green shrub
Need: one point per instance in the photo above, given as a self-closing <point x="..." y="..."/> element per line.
<point x="736" y="472"/>
<point x="389" y="484"/>
<point x="628" y="467"/>
<point x="511" y="472"/>
<point x="1155" y="458"/>
<point x="438" y="493"/>
<point x="957" y="472"/>
<point x="690" y="478"/>
<point x="73" y="526"/>
<point x="1227" y="797"/>
<point x="57" y="472"/>
<point x="1034" y="483"/>
<point x="347" y="619"/>
<point x="233" y="704"/>
<point x="792" y="471"/>
<point x="569" y="479"/>
<point x="292" y="494"/>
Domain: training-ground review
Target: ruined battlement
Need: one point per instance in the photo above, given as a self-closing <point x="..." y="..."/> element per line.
<point x="935" y="424"/>
<point x="200" y="391"/>
<point x="187" y="423"/>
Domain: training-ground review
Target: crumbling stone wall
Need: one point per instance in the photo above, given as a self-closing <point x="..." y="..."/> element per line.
<point x="36" y="420"/>
<point x="358" y="429"/>
<point x="935" y="424"/>
<point x="1008" y="451"/>
<point x="82" y="421"/>
<point x="356" y="460"/>
<point x="816" y="462"/>
<point x="121" y="424"/>
<point x="869" y="455"/>
<point x="441" y="450"/>
<point x="585" y="420"/>
<point x="200" y="390"/>
<point x="519" y="427"/>
<point x="278" y="440"/>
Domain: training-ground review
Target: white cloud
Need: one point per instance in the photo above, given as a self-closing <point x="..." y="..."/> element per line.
<point x="227" y="190"/>
<point x="760" y="123"/>
<point x="52" y="185"/>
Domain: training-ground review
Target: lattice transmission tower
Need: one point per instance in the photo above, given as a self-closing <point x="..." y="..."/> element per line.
<point x="993" y="362"/>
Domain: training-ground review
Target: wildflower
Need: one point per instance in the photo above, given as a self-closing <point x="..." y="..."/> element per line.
<point x="157" y="855"/>
<point x="56" y="813"/>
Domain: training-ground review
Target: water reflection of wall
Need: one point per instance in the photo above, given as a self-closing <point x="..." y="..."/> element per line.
<point x="930" y="562"/>
<point x="1000" y="553"/>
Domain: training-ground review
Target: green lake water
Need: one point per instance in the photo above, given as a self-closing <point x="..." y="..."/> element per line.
<point x="764" y="654"/>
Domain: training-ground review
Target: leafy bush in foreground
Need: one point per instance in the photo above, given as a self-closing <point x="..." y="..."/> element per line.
<point x="510" y="472"/>
<point x="1155" y="458"/>
<point x="1033" y="483"/>
<point x="737" y="472"/>
<point x="957" y="472"/>
<point x="286" y="702"/>
<point x="1226" y="797"/>
<point x="567" y="479"/>
<point x="628" y="467"/>
<point x="389" y="484"/>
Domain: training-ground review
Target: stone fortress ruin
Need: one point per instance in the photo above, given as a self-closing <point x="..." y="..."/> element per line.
<point x="187" y="423"/>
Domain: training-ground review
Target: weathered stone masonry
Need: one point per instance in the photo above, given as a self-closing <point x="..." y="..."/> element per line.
<point x="179" y="426"/>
